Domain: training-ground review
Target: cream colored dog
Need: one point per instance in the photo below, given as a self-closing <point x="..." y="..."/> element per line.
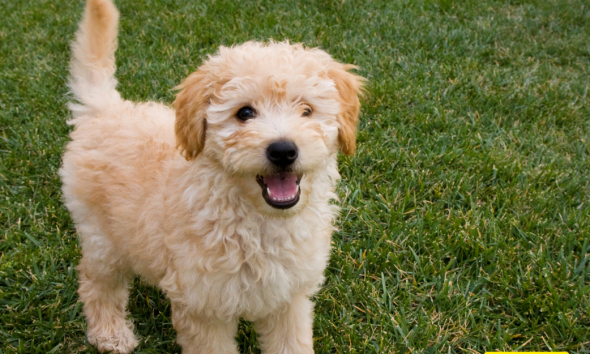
<point x="224" y="202"/>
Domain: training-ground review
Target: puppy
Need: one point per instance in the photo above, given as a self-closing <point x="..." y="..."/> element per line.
<point x="224" y="202"/>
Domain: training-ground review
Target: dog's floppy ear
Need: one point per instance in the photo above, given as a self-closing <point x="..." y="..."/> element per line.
<point x="191" y="105"/>
<point x="349" y="88"/>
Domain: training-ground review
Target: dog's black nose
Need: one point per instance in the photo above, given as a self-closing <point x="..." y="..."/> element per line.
<point x="282" y="153"/>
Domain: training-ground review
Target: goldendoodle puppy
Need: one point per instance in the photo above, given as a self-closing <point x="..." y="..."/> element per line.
<point x="223" y="202"/>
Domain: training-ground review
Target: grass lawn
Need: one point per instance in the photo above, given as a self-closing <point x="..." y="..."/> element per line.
<point x="466" y="213"/>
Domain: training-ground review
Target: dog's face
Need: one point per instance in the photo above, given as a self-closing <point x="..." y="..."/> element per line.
<point x="274" y="116"/>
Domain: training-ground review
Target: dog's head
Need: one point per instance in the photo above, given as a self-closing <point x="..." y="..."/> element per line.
<point x="273" y="115"/>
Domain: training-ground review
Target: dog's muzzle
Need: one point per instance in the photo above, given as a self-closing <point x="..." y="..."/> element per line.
<point x="281" y="190"/>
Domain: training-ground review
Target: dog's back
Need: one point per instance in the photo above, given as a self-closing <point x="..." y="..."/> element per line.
<point x="118" y="149"/>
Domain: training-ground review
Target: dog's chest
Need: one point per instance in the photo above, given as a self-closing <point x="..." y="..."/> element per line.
<point x="263" y="290"/>
<point x="252" y="276"/>
<point x="270" y="278"/>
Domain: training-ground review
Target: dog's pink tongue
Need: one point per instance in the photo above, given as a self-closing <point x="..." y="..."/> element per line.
<point x="282" y="185"/>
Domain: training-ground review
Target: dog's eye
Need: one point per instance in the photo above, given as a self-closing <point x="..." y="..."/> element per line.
<point x="306" y="111"/>
<point x="246" y="113"/>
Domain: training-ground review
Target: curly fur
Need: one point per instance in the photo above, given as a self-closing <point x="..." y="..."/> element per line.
<point x="171" y="195"/>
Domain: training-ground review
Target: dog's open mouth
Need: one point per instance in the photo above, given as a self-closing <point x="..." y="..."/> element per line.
<point x="280" y="190"/>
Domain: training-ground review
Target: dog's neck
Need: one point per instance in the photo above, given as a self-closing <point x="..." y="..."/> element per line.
<point x="212" y="207"/>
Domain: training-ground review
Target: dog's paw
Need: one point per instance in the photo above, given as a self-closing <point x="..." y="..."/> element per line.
<point x="122" y="341"/>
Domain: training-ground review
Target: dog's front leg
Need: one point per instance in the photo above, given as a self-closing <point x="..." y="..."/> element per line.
<point x="199" y="335"/>
<point x="288" y="330"/>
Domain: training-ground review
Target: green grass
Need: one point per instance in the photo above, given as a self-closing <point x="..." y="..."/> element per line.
<point x="465" y="224"/>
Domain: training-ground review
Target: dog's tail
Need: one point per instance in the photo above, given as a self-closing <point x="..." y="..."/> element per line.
<point x="93" y="67"/>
